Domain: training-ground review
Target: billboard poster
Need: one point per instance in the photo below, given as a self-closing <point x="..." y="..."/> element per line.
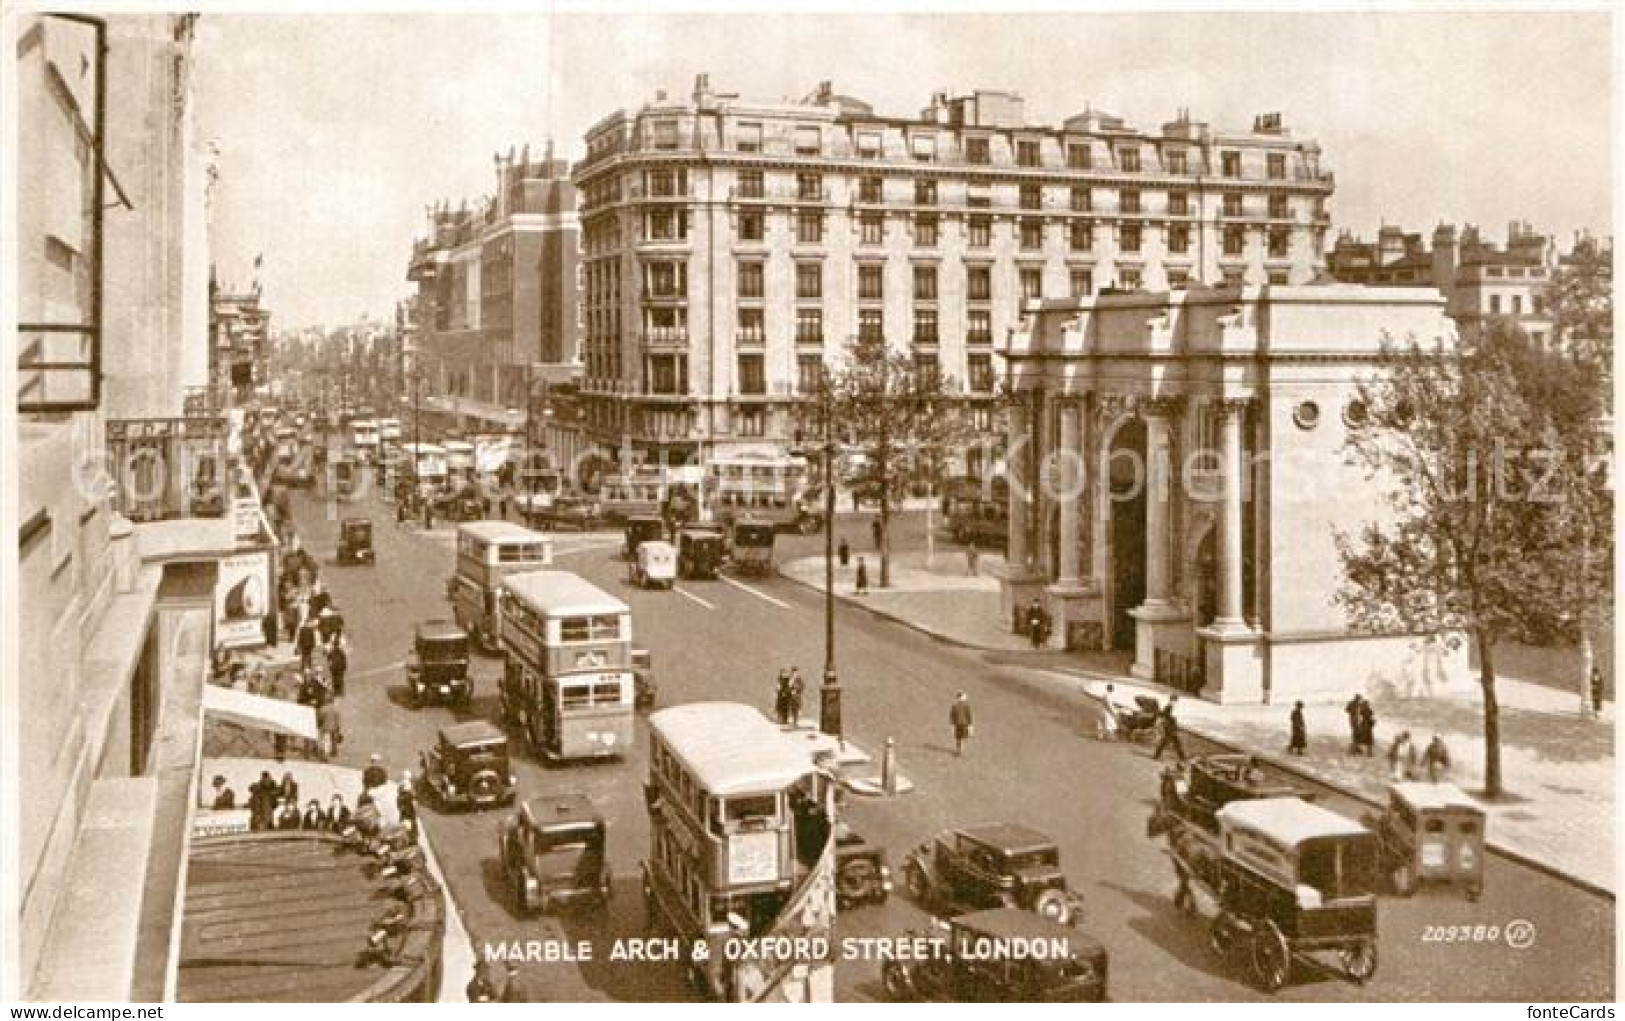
<point x="242" y="599"/>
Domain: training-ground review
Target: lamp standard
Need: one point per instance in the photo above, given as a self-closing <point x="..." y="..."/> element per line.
<point x="829" y="695"/>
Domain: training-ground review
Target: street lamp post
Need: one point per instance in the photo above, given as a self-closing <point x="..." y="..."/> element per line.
<point x="829" y="695"/>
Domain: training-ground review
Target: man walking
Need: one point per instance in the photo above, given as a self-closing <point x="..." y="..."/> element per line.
<point x="1368" y="728"/>
<point x="781" y="698"/>
<point x="338" y="661"/>
<point x="1299" y="742"/>
<point x="1035" y="623"/>
<point x="1170" y="731"/>
<point x="973" y="557"/>
<point x="959" y="717"/>
<point x="1351" y="709"/>
<point x="862" y="581"/>
<point x="843" y="552"/>
<point x="793" y="701"/>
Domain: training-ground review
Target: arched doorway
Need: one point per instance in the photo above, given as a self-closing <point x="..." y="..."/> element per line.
<point x="1126" y="492"/>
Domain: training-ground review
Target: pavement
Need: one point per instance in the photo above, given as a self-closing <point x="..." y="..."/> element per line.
<point x="1558" y="769"/>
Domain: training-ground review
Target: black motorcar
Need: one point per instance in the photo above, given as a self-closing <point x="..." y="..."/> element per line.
<point x="1059" y="964"/>
<point x="355" y="541"/>
<point x="640" y="529"/>
<point x="700" y="550"/>
<point x="437" y="670"/>
<point x="468" y="766"/>
<point x="553" y="854"/>
<point x="995" y="865"/>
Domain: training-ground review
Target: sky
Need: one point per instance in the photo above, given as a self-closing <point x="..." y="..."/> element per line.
<point x="337" y="131"/>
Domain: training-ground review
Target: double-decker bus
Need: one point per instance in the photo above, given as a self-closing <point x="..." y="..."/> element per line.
<point x="567" y="679"/>
<point x="767" y="487"/>
<point x="488" y="552"/>
<point x="740" y="827"/>
<point x="638" y="492"/>
<point x="364" y="437"/>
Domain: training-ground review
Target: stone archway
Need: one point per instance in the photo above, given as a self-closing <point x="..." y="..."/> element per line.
<point x="1125" y="495"/>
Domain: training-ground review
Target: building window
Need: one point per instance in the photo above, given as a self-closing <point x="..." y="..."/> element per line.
<point x="871" y="281"/>
<point x="976" y="151"/>
<point x="979" y="232"/>
<point x="807" y="141"/>
<point x="668" y="374"/>
<point x="1082" y="282"/>
<point x="750" y="279"/>
<point x="1078" y="156"/>
<point x="871" y="325"/>
<point x="869" y="145"/>
<point x="925" y="326"/>
<point x="809" y="227"/>
<point x="752" y="380"/>
<point x="1130" y="279"/>
<point x="926" y="369"/>
<point x="1275" y="166"/>
<point x="665" y="280"/>
<point x="752" y="226"/>
<point x="1032" y="282"/>
<point x="1178" y="162"/>
<point x="751" y="327"/>
<point x="1517" y="304"/>
<point x="1130" y="237"/>
<point x="665" y="134"/>
<point x="666" y="184"/>
<point x="1230" y="164"/>
<point x="809" y="280"/>
<point x="1278" y="277"/>
<point x="1032" y="196"/>
<point x="1179" y="239"/>
<point x="1027" y="153"/>
<point x="665" y="225"/>
<point x="1179" y="203"/>
<point x="1278" y="243"/>
<point x="1178" y="279"/>
<point x="750" y="184"/>
<point x="869" y="188"/>
<point x="748" y="138"/>
<point x="979" y="283"/>
<point x="809" y="370"/>
<point x="923" y="148"/>
<point x="925" y="231"/>
<point x="979" y="326"/>
<point x="978" y="196"/>
<point x="1234" y="240"/>
<point x="1128" y="200"/>
<point x="1032" y="234"/>
<point x="1082" y="200"/>
<point x="871" y="228"/>
<point x="980" y="373"/>
<point x="750" y="421"/>
<point x="1278" y="209"/>
<point x="1495" y="304"/>
<point x="810" y="187"/>
<point x="1082" y="235"/>
<point x="925" y="192"/>
<point x="1128" y="160"/>
<point x="1232" y="203"/>
<point x="925" y="283"/>
<point x="809" y="326"/>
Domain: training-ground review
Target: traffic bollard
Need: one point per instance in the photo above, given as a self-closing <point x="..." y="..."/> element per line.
<point x="888" y="768"/>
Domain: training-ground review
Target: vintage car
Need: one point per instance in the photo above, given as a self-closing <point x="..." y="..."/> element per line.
<point x="861" y="873"/>
<point x="355" y="541"/>
<point x="1430" y="833"/>
<point x="553" y="854"/>
<point x="1290" y="878"/>
<point x="437" y="669"/>
<point x="468" y="767"/>
<point x="460" y="504"/>
<point x="655" y="564"/>
<point x="642" y="528"/>
<point x="1061" y="964"/>
<point x="753" y="547"/>
<point x="994" y="865"/>
<point x="700" y="549"/>
<point x="644" y="689"/>
<point x="566" y="510"/>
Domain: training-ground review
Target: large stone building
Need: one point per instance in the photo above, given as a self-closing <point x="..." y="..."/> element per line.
<point x="732" y="246"/>
<point x="498" y="289"/>
<point x="1188" y="448"/>
<point x="121" y="525"/>
<point x="1479" y="280"/>
<point x="239" y="341"/>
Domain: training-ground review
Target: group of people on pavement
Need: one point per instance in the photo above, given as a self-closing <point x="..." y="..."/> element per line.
<point x="788" y="697"/>
<point x="274" y="805"/>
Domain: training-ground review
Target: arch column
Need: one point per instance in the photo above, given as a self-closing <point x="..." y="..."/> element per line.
<point x="1160" y="623"/>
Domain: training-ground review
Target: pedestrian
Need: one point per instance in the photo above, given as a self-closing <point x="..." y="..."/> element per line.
<point x="844" y="552"/>
<point x="338" y="814"/>
<point x="1368" y="728"/>
<point x="959" y="717"/>
<point x="797" y="687"/>
<point x="225" y="798"/>
<point x="515" y="989"/>
<point x="338" y="662"/>
<point x="287" y="815"/>
<point x="406" y="804"/>
<point x="402" y="508"/>
<point x="1107" y="726"/>
<point x="305" y="644"/>
<point x="1596" y="690"/>
<point x="1170" y="731"/>
<point x="1351" y="709"/>
<point x="781" y="698"/>
<point x="288" y="790"/>
<point x="1436" y="759"/>
<point x="485" y="505"/>
<point x="428" y="516"/>
<point x="1299" y="742"/>
<point x="375" y="775"/>
<point x="1402" y="757"/>
<point x="480" y="988"/>
<point x="861" y="582"/>
<point x="314" y="818"/>
<point x="1035" y="622"/>
<point x="877" y="531"/>
<point x="973" y="557"/>
<point x="502" y="505"/>
<point x="262" y="802"/>
<point x="320" y="600"/>
<point x="330" y="728"/>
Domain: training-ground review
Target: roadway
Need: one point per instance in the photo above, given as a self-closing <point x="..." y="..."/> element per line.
<point x="1030" y="761"/>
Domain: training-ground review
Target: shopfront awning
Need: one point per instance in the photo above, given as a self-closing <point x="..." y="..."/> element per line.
<point x="258" y="712"/>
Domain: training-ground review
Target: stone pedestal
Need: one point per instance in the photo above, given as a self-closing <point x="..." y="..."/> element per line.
<point x="1233" y="665"/>
<point x="1156" y="627"/>
<point x="1077" y="613"/>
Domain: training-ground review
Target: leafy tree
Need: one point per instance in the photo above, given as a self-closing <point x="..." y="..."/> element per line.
<point x="1475" y="447"/>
